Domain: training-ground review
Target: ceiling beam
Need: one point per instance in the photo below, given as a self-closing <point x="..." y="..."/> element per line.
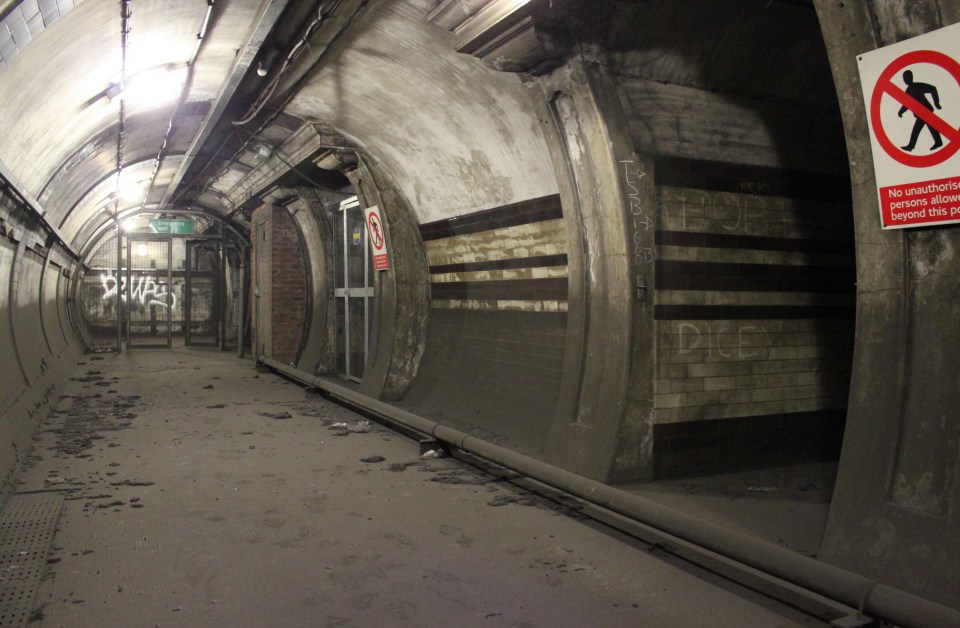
<point x="269" y="13"/>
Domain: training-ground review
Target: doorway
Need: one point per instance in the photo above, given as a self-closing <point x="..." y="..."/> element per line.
<point x="202" y="311"/>
<point x="353" y="289"/>
<point x="149" y="297"/>
<point x="143" y="290"/>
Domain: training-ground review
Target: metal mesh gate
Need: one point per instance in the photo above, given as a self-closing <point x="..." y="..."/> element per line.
<point x="98" y="306"/>
<point x="149" y="293"/>
<point x="202" y="306"/>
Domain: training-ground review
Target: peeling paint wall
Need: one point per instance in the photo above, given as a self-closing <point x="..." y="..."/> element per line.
<point x="456" y="136"/>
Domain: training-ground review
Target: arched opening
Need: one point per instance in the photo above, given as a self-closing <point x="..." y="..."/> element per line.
<point x="164" y="279"/>
<point x="733" y="106"/>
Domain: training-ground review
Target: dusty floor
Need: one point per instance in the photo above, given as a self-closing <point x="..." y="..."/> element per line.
<point x="786" y="505"/>
<point x="201" y="493"/>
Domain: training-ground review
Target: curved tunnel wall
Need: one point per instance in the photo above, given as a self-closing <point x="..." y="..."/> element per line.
<point x="480" y="151"/>
<point x="37" y="341"/>
<point x="471" y="319"/>
<point x="894" y="512"/>
<point x="516" y="199"/>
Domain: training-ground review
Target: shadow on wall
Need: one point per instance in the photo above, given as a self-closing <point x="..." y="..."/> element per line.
<point x="755" y="267"/>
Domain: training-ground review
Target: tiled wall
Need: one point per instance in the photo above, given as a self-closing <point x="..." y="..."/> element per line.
<point x="754" y="315"/>
<point x="497" y="325"/>
<point x="508" y="258"/>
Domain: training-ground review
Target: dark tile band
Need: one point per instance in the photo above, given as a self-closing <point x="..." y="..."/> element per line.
<point x="513" y="215"/>
<point x="553" y="289"/>
<point x="502" y="264"/>
<point x="744" y="179"/>
<point x="747" y="442"/>
<point x="757" y="243"/>
<point x="752" y="312"/>
<point x="735" y="277"/>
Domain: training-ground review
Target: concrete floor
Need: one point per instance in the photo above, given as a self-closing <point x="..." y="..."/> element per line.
<point x="201" y="493"/>
<point x="784" y="505"/>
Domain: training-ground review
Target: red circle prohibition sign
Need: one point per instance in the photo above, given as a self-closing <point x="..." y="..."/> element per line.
<point x="376" y="230"/>
<point x="886" y="86"/>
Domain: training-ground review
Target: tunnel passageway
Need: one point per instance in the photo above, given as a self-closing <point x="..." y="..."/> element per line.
<point x="200" y="492"/>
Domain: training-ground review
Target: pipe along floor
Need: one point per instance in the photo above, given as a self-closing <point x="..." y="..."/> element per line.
<point x="199" y="492"/>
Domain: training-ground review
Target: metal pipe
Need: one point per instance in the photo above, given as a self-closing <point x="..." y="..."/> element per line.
<point x="266" y="95"/>
<point x="184" y="93"/>
<point x="242" y="314"/>
<point x="267" y="16"/>
<point x="873" y="598"/>
<point x="15" y="188"/>
<point x="450" y="14"/>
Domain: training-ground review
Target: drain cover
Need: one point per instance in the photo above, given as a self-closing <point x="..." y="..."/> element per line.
<point x="27" y="525"/>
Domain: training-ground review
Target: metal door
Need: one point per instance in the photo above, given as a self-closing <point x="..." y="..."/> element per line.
<point x="202" y="309"/>
<point x="353" y="289"/>
<point x="148" y="295"/>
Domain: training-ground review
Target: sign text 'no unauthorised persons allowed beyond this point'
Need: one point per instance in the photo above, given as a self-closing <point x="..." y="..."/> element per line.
<point x="917" y="186"/>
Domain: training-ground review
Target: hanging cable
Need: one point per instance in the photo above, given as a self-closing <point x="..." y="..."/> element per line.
<point x="323" y="15"/>
<point x="268" y="93"/>
<point x="125" y="15"/>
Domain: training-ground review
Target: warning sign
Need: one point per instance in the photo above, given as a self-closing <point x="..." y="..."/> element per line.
<point x="912" y="96"/>
<point x="378" y="238"/>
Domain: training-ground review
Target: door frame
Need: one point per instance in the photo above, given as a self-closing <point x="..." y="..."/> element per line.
<point x="131" y="241"/>
<point x="348" y="293"/>
<point x="217" y="300"/>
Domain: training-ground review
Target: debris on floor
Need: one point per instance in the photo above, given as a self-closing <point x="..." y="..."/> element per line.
<point x="276" y="415"/>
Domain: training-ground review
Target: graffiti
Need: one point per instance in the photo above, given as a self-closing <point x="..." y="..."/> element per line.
<point x="145" y="290"/>
<point x="723" y="341"/>
<point x="700" y="210"/>
<point x="631" y="177"/>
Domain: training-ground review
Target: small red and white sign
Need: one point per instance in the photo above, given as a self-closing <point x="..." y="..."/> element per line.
<point x="912" y="96"/>
<point x="378" y="238"/>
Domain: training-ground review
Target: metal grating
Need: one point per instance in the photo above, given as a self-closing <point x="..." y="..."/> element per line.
<point x="27" y="526"/>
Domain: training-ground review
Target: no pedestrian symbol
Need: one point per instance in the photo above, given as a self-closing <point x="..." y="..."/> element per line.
<point x="911" y="93"/>
<point x="918" y="102"/>
<point x="377" y="238"/>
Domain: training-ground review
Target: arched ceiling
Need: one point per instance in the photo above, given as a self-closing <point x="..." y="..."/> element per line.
<point x="381" y="76"/>
<point x="69" y="127"/>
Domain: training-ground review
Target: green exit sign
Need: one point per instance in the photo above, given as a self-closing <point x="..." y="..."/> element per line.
<point x="171" y="226"/>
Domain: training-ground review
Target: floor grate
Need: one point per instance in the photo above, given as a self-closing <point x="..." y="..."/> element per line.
<point x="27" y="526"/>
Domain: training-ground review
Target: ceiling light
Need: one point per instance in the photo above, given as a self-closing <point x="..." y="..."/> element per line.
<point x="132" y="193"/>
<point x="262" y="151"/>
<point x="159" y="84"/>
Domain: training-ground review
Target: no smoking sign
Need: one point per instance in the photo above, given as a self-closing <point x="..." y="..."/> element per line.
<point x="912" y="96"/>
